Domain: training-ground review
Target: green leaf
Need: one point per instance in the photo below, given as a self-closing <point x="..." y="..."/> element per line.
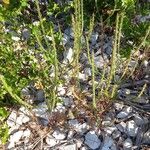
<point x="3" y="113"/>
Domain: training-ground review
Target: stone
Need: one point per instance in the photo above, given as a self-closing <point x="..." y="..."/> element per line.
<point x="65" y="39"/>
<point x="61" y="90"/>
<point x="127" y="144"/>
<point x="108" y="141"/>
<point x="69" y="147"/>
<point x="92" y="140"/>
<point x="25" y="34"/>
<point x="116" y="134"/>
<point x="51" y="141"/>
<point x="146" y="138"/>
<point x="78" y="127"/>
<point x="15" y="38"/>
<point x="68" y="101"/>
<point x="68" y="56"/>
<point x="99" y="62"/>
<point x="138" y="120"/>
<point x="11" y="121"/>
<point x="40" y="96"/>
<point x="88" y="71"/>
<point x="124" y="113"/>
<point x="108" y="50"/>
<point x="14" y="138"/>
<point x="59" y="135"/>
<point x="118" y="106"/>
<point x="70" y="134"/>
<point x="94" y="38"/>
<point x="69" y="32"/>
<point x="131" y="128"/>
<point x="121" y="126"/>
<point x="41" y="110"/>
<point x="110" y="130"/>
<point x="60" y="108"/>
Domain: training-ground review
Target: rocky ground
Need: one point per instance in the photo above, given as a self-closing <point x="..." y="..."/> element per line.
<point x="122" y="124"/>
<point x="119" y="125"/>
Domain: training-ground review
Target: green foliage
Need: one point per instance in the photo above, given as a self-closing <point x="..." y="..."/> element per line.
<point x="3" y="127"/>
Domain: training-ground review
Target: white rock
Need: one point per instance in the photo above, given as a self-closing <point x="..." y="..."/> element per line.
<point x="68" y="147"/>
<point x="121" y="126"/>
<point x="78" y="127"/>
<point x="68" y="56"/>
<point x="61" y="90"/>
<point x="82" y="76"/>
<point x="108" y="141"/>
<point x="11" y="145"/>
<point x="138" y="120"/>
<point x="114" y="147"/>
<point x="65" y="39"/>
<point x="60" y="108"/>
<point x="146" y="138"/>
<point x="71" y="134"/>
<point x="23" y="110"/>
<point x="68" y="101"/>
<point x="118" y="106"/>
<point x="124" y="113"/>
<point x="15" y="38"/>
<point x="41" y="110"/>
<point x="131" y="128"/>
<point x="16" y="137"/>
<point x="92" y="140"/>
<point x="11" y="121"/>
<point x="59" y="135"/>
<point x="94" y="38"/>
<point x="99" y="61"/>
<point x="127" y="145"/>
<point x="84" y="148"/>
<point x="36" y="23"/>
<point x="27" y="133"/>
<point x="110" y="130"/>
<point x="51" y="141"/>
<point x="19" y="120"/>
<point x="69" y="32"/>
<point x="116" y="134"/>
<point x="88" y="71"/>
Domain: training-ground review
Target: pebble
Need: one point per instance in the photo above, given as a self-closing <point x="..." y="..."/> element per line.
<point x="146" y="138"/>
<point x="40" y="96"/>
<point x="12" y="119"/>
<point x="68" y="56"/>
<point x="131" y="128"/>
<point x="78" y="127"/>
<point x="59" y="135"/>
<point x="92" y="140"/>
<point x="69" y="147"/>
<point x="51" y="141"/>
<point x="108" y="141"/>
<point x="25" y="34"/>
<point x="124" y="113"/>
<point x="138" y="120"/>
<point x="118" y="106"/>
<point x="68" y="101"/>
<point x="94" y="38"/>
<point x="116" y="134"/>
<point x="99" y="62"/>
<point x="14" y="139"/>
<point x="121" y="126"/>
<point x="127" y="145"/>
<point x="110" y="130"/>
<point x="65" y="39"/>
